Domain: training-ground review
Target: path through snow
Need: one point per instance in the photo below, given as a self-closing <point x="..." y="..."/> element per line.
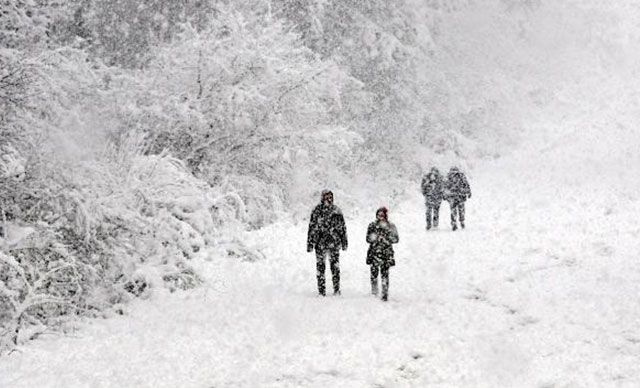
<point x="541" y="290"/>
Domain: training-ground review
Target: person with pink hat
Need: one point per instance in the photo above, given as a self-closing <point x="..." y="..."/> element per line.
<point x="381" y="234"/>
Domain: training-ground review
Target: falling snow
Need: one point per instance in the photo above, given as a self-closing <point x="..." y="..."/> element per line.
<point x="160" y="160"/>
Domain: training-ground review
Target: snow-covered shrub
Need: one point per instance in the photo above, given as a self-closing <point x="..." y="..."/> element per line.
<point x="38" y="285"/>
<point x="110" y="222"/>
<point x="112" y="230"/>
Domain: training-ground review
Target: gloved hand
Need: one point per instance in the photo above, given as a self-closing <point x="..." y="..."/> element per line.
<point x="344" y="247"/>
<point x="469" y="196"/>
<point x="309" y="247"/>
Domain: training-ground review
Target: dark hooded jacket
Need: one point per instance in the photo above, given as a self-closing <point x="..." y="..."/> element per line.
<point x="380" y="236"/>
<point x="456" y="186"/>
<point x="433" y="187"/>
<point x="327" y="229"/>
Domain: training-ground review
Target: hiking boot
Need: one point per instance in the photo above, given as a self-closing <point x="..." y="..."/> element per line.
<point x="462" y="225"/>
<point x="384" y="298"/>
<point x="454" y="227"/>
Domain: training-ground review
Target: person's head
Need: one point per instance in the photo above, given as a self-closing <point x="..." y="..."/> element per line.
<point x="434" y="171"/>
<point x="454" y="170"/>
<point x="382" y="214"/>
<point x="326" y="197"/>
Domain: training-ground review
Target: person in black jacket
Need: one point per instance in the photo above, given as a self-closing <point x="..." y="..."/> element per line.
<point x="432" y="189"/>
<point x="456" y="192"/>
<point x="381" y="234"/>
<point x="327" y="234"/>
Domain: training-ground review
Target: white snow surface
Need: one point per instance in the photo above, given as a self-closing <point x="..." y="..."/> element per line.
<point x="541" y="290"/>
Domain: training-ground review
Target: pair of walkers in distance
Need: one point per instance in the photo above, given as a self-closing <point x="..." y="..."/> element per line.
<point x="454" y="189"/>
<point x="327" y="232"/>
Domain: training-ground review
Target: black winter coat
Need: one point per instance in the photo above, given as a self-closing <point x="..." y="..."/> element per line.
<point x="381" y="236"/>
<point x="456" y="187"/>
<point x="433" y="188"/>
<point x="327" y="229"/>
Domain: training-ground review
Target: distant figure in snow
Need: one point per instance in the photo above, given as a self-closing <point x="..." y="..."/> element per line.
<point x="327" y="234"/>
<point x="433" y="191"/>
<point x="381" y="234"/>
<point x="456" y="192"/>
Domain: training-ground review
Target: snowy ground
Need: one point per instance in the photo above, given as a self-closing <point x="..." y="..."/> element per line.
<point x="541" y="290"/>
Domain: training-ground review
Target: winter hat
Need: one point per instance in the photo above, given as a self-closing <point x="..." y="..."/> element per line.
<point x="325" y="192"/>
<point x="384" y="211"/>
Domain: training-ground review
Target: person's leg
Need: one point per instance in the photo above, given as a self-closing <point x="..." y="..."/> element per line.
<point x="453" y="204"/>
<point x="384" y="272"/>
<point x="426" y="213"/>
<point x="436" y="214"/>
<point x="335" y="270"/>
<point x="461" y="213"/>
<point x="374" y="279"/>
<point x="320" y="268"/>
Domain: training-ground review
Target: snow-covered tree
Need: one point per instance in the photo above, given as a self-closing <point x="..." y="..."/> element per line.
<point x="237" y="101"/>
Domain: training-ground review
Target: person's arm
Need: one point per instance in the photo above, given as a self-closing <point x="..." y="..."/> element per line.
<point x="313" y="231"/>
<point x="343" y="232"/>
<point x="423" y="185"/>
<point x="467" y="188"/>
<point x="393" y="234"/>
<point x="371" y="233"/>
<point x="446" y="189"/>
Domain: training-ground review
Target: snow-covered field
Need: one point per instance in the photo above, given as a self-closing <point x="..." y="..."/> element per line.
<point x="541" y="290"/>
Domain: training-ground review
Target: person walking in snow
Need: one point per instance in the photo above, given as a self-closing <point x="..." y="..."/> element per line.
<point x="381" y="234"/>
<point x="327" y="234"/>
<point x="456" y="192"/>
<point x="432" y="189"/>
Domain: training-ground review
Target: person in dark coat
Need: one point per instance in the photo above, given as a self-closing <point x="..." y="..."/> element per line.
<point x="456" y="192"/>
<point x="433" y="191"/>
<point x="381" y="234"/>
<point x="327" y="235"/>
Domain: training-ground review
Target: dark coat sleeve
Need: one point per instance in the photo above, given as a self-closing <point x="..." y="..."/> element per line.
<point x="312" y="233"/>
<point x="371" y="233"/>
<point x="423" y="185"/>
<point x="465" y="183"/>
<point x="342" y="230"/>
<point x="393" y="234"/>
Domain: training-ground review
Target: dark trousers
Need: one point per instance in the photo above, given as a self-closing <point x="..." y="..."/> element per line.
<point x="334" y="263"/>
<point x="384" y="277"/>
<point x="457" y="210"/>
<point x="433" y="214"/>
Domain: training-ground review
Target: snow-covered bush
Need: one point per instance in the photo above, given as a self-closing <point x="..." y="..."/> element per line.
<point x="109" y="222"/>
<point x="112" y="230"/>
